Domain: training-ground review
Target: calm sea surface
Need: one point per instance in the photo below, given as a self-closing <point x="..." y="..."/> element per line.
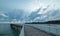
<point x="5" y="29"/>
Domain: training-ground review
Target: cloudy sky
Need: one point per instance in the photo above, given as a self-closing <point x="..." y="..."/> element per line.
<point x="28" y="5"/>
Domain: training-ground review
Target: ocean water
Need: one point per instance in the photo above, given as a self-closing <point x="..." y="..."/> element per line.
<point x="5" y="29"/>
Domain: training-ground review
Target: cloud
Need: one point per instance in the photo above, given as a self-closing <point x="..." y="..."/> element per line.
<point x="44" y="9"/>
<point x="41" y="18"/>
<point x="2" y="14"/>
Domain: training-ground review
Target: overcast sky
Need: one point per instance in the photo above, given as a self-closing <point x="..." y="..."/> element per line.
<point x="29" y="5"/>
